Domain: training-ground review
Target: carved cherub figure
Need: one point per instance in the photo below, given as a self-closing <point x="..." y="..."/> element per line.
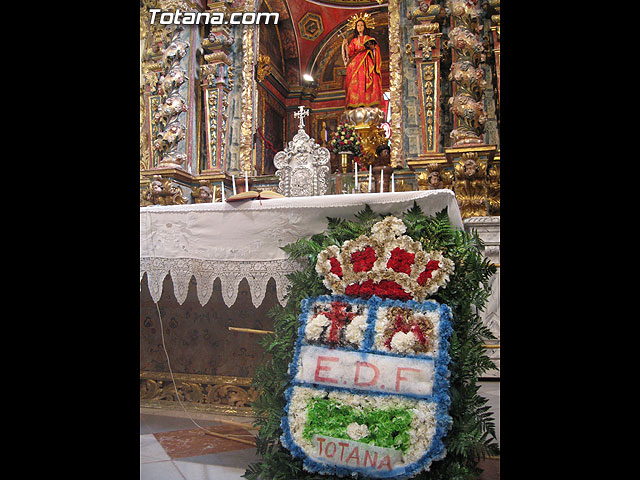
<point x="202" y="194"/>
<point x="435" y="180"/>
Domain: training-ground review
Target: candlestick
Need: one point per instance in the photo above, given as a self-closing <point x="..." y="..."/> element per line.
<point x="246" y="181"/>
<point x="355" y="166"/>
<point x="233" y="182"/>
<point x="370" y="179"/>
<point x="215" y="188"/>
<point x="382" y="180"/>
<point x="222" y="190"/>
<point x="393" y="182"/>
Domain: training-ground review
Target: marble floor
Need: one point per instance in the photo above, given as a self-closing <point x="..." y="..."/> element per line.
<point x="172" y="447"/>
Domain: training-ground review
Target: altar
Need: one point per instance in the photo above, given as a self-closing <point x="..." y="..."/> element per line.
<point x="213" y="271"/>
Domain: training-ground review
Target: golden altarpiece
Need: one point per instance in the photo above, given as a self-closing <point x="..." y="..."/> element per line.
<point x="217" y="102"/>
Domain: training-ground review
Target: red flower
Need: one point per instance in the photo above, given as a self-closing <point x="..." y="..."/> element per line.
<point x="418" y="334"/>
<point x="401" y="260"/>
<point x="431" y="266"/>
<point x="336" y="268"/>
<point x="383" y="289"/>
<point x="367" y="289"/>
<point x="352" y="290"/>
<point x="363" y="261"/>
<point x="389" y="289"/>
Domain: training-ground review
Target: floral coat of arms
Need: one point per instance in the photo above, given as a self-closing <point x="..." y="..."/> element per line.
<point x="369" y="387"/>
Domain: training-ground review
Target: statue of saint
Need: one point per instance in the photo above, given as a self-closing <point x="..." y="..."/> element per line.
<point x="363" y="83"/>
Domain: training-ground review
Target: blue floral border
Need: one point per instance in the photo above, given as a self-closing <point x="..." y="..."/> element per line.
<point x="440" y="391"/>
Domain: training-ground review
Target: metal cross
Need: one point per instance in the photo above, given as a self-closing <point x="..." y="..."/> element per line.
<point x="301" y="114"/>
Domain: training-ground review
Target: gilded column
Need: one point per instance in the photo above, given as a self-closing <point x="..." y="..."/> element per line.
<point x="171" y="114"/>
<point x="248" y="91"/>
<point x="395" y="83"/>
<point x="467" y="76"/>
<point x="217" y="82"/>
<point x="426" y="48"/>
<point x="154" y="39"/>
<point x="469" y="154"/>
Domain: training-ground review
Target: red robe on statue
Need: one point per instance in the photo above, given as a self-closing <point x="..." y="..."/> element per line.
<point x="363" y="83"/>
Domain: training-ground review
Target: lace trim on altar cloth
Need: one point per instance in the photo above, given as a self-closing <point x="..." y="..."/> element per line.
<point x="205" y="272"/>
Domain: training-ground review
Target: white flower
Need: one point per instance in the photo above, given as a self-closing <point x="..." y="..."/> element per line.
<point x="316" y="326"/>
<point x="355" y="330"/>
<point x="389" y="227"/>
<point x="356" y="431"/>
<point x="403" y="342"/>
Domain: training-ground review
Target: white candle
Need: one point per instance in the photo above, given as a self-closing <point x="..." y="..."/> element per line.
<point x="222" y="190"/>
<point x="393" y="182"/>
<point x="382" y="180"/>
<point x="355" y="164"/>
<point x="233" y="182"/>
<point x="369" y="178"/>
<point x="246" y="181"/>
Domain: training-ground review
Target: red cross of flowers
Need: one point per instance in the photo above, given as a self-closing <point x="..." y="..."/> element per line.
<point x="339" y="317"/>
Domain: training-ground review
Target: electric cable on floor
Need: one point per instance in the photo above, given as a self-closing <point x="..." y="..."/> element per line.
<point x="164" y="347"/>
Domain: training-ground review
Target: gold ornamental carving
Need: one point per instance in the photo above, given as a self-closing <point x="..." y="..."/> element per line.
<point x="395" y="83"/>
<point x="217" y="82"/>
<point x="424" y="52"/>
<point x="246" y="125"/>
<point x="435" y="176"/>
<point x="471" y="185"/>
<point x="217" y="57"/>
<point x="429" y="77"/>
<point x="264" y="67"/>
<point x="372" y="136"/>
<point x="204" y="192"/>
<point x="493" y="189"/>
<point x="162" y="191"/>
<point x="204" y="393"/>
<point x="427" y="42"/>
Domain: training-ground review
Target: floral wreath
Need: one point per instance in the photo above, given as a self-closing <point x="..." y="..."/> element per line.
<point x="375" y="319"/>
<point x="370" y="372"/>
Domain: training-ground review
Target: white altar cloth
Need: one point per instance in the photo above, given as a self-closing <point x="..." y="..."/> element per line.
<point x="237" y="240"/>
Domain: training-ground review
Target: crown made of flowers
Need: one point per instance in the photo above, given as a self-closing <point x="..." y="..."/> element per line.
<point x="386" y="263"/>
